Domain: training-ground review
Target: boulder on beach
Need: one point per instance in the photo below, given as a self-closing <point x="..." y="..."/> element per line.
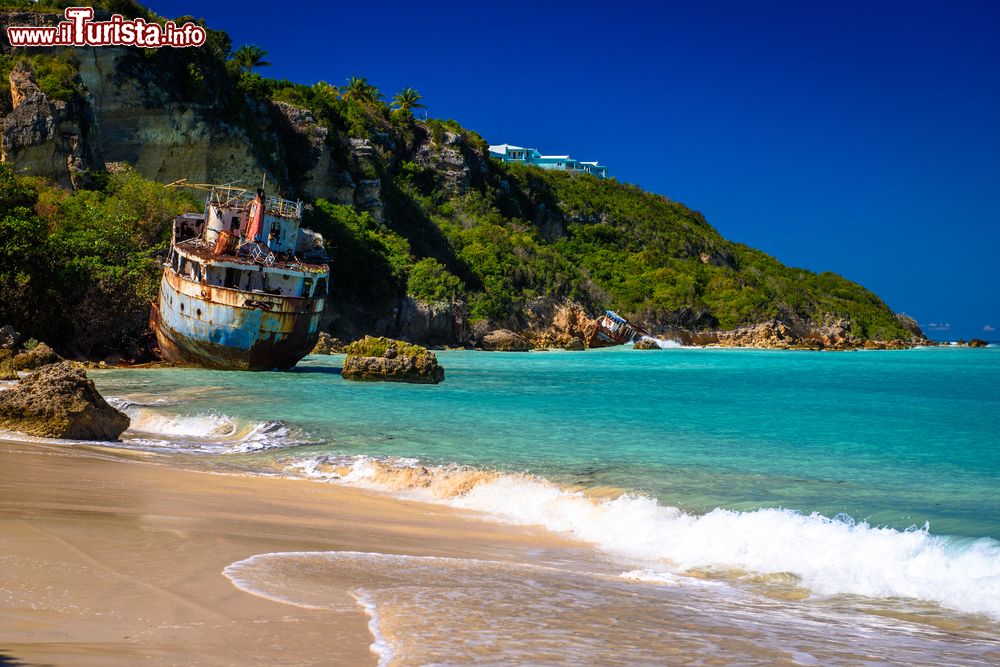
<point x="504" y="340"/>
<point x="385" y="359"/>
<point x="59" y="401"/>
<point x="36" y="357"/>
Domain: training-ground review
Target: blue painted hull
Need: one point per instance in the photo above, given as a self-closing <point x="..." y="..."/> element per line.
<point x="224" y="328"/>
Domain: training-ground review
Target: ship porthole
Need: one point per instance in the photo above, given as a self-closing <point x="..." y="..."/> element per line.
<point x="199" y="312"/>
<point x="182" y="307"/>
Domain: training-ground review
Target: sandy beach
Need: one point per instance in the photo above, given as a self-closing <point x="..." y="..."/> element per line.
<point x="110" y="561"/>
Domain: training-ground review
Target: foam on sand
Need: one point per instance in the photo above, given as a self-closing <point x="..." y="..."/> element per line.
<point x="446" y="610"/>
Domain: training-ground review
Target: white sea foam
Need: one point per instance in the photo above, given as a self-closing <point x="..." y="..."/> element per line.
<point x="208" y="432"/>
<point x="379" y="646"/>
<point x="830" y="556"/>
<point x="130" y="405"/>
<point x="663" y="343"/>
<point x="202" y="425"/>
<point x="444" y="610"/>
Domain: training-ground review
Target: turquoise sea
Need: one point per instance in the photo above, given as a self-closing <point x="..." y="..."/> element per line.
<point x="867" y="476"/>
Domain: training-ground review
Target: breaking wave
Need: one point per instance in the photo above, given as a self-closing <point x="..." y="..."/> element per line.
<point x="206" y="432"/>
<point x="829" y="556"/>
<point x="663" y="343"/>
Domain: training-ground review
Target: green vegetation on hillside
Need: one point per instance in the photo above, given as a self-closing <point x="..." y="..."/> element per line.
<point x="79" y="269"/>
<point x="657" y="260"/>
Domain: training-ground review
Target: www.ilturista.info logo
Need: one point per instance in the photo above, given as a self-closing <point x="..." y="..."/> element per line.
<point x="79" y="30"/>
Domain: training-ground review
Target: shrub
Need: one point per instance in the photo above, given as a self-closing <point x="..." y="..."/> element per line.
<point x="430" y="281"/>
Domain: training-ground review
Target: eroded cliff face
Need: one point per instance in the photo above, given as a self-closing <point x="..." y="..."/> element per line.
<point x="120" y="116"/>
<point x="45" y="137"/>
<point x="135" y="121"/>
<point x="125" y="116"/>
<point x="124" y="113"/>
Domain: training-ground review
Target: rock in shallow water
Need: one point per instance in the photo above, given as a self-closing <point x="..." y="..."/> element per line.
<point x="503" y="340"/>
<point x="327" y="344"/>
<point x="390" y="360"/>
<point x="59" y="401"/>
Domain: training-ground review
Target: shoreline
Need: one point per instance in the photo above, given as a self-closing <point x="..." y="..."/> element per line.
<point x="110" y="559"/>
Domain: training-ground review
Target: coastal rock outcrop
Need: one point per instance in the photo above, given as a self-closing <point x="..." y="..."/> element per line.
<point x="449" y="154"/>
<point x="552" y="323"/>
<point x="435" y="323"/>
<point x="46" y="135"/>
<point x="911" y="325"/>
<point x="505" y="340"/>
<point x="773" y="334"/>
<point x="327" y="344"/>
<point x="645" y="344"/>
<point x="36" y="357"/>
<point x="385" y="359"/>
<point x="59" y="401"/>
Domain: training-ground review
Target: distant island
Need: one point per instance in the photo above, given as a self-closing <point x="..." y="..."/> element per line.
<point x="430" y="239"/>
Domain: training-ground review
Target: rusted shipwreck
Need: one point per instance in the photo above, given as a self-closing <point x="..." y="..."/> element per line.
<point x="243" y="286"/>
<point x="612" y="329"/>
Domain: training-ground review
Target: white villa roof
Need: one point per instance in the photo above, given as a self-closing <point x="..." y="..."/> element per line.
<point x="503" y="148"/>
<point x="534" y="155"/>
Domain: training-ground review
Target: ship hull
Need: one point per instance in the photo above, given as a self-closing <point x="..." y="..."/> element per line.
<point x="228" y="329"/>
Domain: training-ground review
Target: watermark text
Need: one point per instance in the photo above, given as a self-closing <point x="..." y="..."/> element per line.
<point x="79" y="29"/>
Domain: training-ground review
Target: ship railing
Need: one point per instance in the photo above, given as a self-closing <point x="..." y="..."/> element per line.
<point x="259" y="253"/>
<point x="283" y="208"/>
<point x="230" y="195"/>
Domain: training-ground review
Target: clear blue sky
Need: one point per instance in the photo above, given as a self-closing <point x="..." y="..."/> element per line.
<point x="857" y="137"/>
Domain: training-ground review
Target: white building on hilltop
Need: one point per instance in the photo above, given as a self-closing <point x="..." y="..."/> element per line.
<point x="510" y="153"/>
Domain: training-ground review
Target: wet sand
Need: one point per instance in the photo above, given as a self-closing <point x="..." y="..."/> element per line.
<point x="107" y="561"/>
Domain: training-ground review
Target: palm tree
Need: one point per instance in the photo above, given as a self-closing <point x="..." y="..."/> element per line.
<point x="325" y="92"/>
<point x="408" y="99"/>
<point x="249" y="56"/>
<point x="359" y="90"/>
